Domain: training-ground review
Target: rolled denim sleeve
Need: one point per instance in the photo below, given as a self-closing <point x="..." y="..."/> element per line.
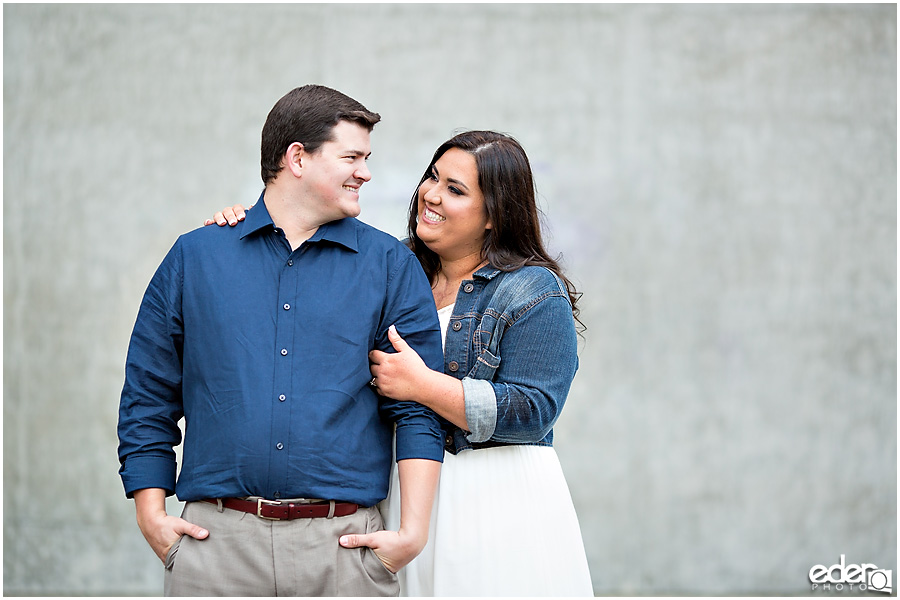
<point x="481" y="409"/>
<point x="410" y="308"/>
<point x="532" y="381"/>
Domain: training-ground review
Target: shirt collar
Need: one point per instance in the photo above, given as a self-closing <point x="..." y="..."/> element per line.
<point x="343" y="231"/>
<point x="257" y="218"/>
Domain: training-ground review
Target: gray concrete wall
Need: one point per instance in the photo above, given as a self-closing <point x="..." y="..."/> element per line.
<point x="721" y="181"/>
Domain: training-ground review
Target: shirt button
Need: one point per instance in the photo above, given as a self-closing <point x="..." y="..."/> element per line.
<point x="279" y="445"/>
<point x="457" y="326"/>
<point x="287" y="306"/>
<point x="468" y="288"/>
<point x="284" y="351"/>
<point x="291" y="262"/>
<point x="276" y="495"/>
<point x="282" y="397"/>
<point x="453" y="366"/>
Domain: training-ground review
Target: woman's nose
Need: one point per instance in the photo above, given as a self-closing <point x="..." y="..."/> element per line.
<point x="432" y="196"/>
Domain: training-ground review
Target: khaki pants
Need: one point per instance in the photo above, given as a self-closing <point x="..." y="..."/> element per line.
<point x="248" y="556"/>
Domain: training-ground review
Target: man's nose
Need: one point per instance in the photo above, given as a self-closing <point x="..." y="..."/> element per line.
<point x="363" y="173"/>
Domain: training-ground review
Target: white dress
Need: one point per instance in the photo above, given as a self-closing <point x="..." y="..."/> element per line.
<point x="503" y="524"/>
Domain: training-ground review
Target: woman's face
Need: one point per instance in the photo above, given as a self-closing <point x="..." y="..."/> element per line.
<point x="453" y="219"/>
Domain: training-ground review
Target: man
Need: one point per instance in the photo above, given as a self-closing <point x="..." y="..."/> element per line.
<point x="258" y="335"/>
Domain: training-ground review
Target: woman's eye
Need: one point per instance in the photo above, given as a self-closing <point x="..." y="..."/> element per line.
<point x="455" y="191"/>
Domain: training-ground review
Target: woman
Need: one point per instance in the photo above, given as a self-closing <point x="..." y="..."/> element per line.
<point x="503" y="521"/>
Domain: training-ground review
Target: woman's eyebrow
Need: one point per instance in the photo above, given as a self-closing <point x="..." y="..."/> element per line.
<point x="451" y="180"/>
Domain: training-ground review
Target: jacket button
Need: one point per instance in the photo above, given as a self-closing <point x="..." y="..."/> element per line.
<point x="453" y="366"/>
<point x="457" y="326"/>
<point x="468" y="288"/>
<point x="449" y="440"/>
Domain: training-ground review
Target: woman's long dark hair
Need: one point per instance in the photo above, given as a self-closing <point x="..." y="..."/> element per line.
<point x="504" y="176"/>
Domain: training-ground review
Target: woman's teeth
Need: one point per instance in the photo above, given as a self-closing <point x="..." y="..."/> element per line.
<point x="433" y="216"/>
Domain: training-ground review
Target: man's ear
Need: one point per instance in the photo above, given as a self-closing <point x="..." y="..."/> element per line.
<point x="294" y="158"/>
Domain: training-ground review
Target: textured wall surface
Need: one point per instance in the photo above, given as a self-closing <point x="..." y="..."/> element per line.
<point x="721" y="181"/>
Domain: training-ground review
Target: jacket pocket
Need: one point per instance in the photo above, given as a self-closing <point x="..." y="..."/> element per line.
<point x="485" y="366"/>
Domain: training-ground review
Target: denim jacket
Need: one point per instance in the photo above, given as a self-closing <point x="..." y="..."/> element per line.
<point x="512" y="342"/>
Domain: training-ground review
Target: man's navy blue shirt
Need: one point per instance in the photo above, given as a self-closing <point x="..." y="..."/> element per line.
<point x="264" y="352"/>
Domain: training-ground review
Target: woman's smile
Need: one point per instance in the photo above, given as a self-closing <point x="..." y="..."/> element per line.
<point x="431" y="216"/>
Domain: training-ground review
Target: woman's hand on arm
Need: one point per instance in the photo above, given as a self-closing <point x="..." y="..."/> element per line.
<point x="405" y="376"/>
<point x="229" y="216"/>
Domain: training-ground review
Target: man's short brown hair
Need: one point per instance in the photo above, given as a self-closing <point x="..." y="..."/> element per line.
<point x="307" y="115"/>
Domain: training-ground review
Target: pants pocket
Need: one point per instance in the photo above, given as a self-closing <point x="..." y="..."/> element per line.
<point x="170" y="555"/>
<point x="376" y="569"/>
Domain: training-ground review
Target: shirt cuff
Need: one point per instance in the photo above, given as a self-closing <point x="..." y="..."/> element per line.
<point x="481" y="409"/>
<point x="141" y="472"/>
<point x="419" y="442"/>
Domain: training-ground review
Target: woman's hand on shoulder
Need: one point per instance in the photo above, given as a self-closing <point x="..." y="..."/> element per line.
<point x="230" y="216"/>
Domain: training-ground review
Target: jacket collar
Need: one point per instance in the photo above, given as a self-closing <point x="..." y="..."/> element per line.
<point x="488" y="272"/>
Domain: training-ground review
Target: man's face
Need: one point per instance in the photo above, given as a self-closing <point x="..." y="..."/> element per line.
<point x="333" y="175"/>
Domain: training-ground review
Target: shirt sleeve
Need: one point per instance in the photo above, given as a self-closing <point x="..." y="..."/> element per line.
<point x="151" y="403"/>
<point x="410" y="307"/>
<point x="536" y="364"/>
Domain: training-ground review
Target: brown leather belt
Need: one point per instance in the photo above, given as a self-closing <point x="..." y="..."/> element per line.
<point x="285" y="511"/>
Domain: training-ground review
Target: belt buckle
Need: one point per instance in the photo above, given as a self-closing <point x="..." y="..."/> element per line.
<point x="259" y="505"/>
